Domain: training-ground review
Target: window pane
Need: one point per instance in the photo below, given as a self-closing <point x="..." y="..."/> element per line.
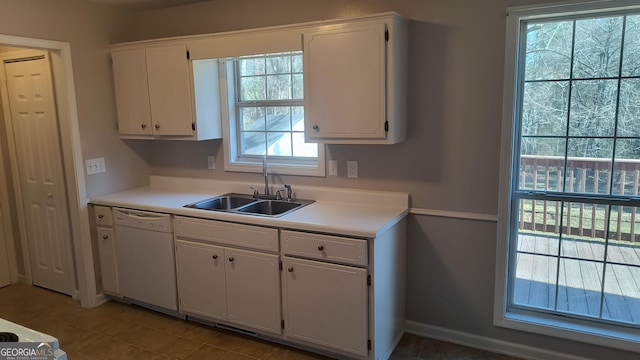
<point x="588" y="167"/>
<point x="253" y="118"/>
<point x="584" y="233"/>
<point x="297" y="118"/>
<point x="539" y="226"/>
<point x="631" y="59"/>
<point x="253" y="143"/>
<point x="621" y="294"/>
<point x="296" y="63"/>
<point x="624" y="235"/>
<point x="535" y="281"/>
<point x="544" y="108"/>
<point x="593" y="108"/>
<point x="597" y="47"/>
<point x="251" y="66"/>
<point x="278" y="87"/>
<point x="548" y="50"/>
<point x="627" y="167"/>
<point x="279" y="143"/>
<point x="542" y="164"/>
<point x="298" y="86"/>
<point x="629" y="107"/>
<point x="279" y="65"/>
<point x="579" y="287"/>
<point x="252" y="88"/>
<point x="278" y="118"/>
<point x="302" y="149"/>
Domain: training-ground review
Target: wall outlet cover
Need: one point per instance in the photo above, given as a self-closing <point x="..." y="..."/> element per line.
<point x="211" y="162"/>
<point x="333" y="167"/>
<point x="352" y="169"/>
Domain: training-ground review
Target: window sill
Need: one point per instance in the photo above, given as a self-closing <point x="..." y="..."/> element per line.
<point x="275" y="169"/>
<point x="572" y="329"/>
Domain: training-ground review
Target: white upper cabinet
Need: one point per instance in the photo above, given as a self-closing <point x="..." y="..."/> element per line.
<point x="160" y="93"/>
<point x="355" y="80"/>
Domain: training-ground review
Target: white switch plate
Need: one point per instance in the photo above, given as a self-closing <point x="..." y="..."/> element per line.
<point x="211" y="162"/>
<point x="352" y="169"/>
<point x="95" y="166"/>
<point x="333" y="167"/>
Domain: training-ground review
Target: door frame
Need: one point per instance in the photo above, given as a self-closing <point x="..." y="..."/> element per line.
<point x="66" y="106"/>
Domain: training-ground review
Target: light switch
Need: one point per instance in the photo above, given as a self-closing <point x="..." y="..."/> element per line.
<point x="95" y="166"/>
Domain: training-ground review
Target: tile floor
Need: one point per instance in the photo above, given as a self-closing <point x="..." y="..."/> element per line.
<point x="120" y="331"/>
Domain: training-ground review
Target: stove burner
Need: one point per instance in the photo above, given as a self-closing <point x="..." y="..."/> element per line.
<point x="8" y="337"/>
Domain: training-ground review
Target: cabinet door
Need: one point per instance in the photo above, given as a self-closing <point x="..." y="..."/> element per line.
<point x="132" y="92"/>
<point x="326" y="304"/>
<point x="108" y="260"/>
<point x="253" y="289"/>
<point x="201" y="279"/>
<point x="344" y="82"/>
<point x="170" y="90"/>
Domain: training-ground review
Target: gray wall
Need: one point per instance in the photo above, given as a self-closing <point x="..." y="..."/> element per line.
<point x="449" y="162"/>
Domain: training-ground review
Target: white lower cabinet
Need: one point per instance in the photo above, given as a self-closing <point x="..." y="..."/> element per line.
<point x="221" y="283"/>
<point x="326" y="304"/>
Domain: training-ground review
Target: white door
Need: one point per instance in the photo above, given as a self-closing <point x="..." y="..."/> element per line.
<point x="253" y="289"/>
<point x="41" y="176"/>
<point x="5" y="278"/>
<point x="326" y="304"/>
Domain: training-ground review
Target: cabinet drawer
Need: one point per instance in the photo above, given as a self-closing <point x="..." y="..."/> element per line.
<point x="103" y="215"/>
<point x="249" y="236"/>
<point x="325" y="247"/>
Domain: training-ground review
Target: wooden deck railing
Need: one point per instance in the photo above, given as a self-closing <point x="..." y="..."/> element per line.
<point x="583" y="175"/>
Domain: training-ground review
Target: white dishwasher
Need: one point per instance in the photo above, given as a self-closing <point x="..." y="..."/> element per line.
<point x="146" y="259"/>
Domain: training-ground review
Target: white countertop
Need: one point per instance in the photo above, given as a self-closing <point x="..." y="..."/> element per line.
<point x="338" y="211"/>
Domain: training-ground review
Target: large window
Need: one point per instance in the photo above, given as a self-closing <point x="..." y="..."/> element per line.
<point x="267" y="114"/>
<point x="573" y="218"/>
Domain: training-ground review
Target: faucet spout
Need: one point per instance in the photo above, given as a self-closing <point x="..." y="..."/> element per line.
<point x="265" y="173"/>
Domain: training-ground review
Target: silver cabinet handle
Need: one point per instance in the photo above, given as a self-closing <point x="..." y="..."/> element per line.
<point x="144" y="126"/>
<point x="105" y="237"/>
<point x="214" y="256"/>
<point x="100" y="216"/>
<point x="290" y="269"/>
<point x="230" y="258"/>
<point x="157" y="126"/>
<point x="320" y="247"/>
<point x="316" y="127"/>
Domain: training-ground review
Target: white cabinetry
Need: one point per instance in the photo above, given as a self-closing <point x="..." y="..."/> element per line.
<point x="355" y="81"/>
<point x="160" y="93"/>
<point x="222" y="283"/>
<point x="107" y="250"/>
<point x="326" y="304"/>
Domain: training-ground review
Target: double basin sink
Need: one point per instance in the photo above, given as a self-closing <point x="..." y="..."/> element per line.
<point x="249" y="205"/>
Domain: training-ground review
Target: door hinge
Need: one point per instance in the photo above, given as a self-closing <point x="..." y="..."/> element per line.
<point x="369" y="280"/>
<point x="386" y="35"/>
<point x="188" y="55"/>
<point x="369" y="344"/>
<point x="386" y="125"/>
<point x="281" y="270"/>
<point x="193" y="126"/>
<point x="282" y="323"/>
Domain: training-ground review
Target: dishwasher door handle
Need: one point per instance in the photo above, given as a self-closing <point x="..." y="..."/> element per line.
<point x="141" y="215"/>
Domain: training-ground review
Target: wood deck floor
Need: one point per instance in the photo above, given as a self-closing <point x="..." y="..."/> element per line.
<point x="580" y="278"/>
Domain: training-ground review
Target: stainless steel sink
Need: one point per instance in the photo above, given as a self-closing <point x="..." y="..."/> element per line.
<point x="248" y="205"/>
<point x="270" y="207"/>
<point x="224" y="202"/>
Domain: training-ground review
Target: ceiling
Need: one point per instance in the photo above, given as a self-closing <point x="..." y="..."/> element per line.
<point x="145" y="4"/>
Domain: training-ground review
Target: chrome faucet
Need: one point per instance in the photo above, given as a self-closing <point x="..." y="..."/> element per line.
<point x="265" y="173"/>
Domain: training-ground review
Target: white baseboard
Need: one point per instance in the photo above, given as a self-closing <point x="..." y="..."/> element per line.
<point x="485" y="343"/>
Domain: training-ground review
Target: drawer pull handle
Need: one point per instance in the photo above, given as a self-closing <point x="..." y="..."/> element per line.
<point x="105" y="237"/>
<point x="290" y="269"/>
<point x="230" y="258"/>
<point x="144" y="126"/>
<point x="157" y="126"/>
<point x="100" y="216"/>
<point x="320" y="247"/>
<point x="214" y="256"/>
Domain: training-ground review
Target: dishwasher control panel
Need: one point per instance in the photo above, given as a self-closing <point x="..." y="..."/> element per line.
<point x="142" y="220"/>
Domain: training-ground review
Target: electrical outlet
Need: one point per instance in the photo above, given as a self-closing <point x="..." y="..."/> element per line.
<point x="211" y="162"/>
<point x="333" y="167"/>
<point x="95" y="166"/>
<point x="352" y="169"/>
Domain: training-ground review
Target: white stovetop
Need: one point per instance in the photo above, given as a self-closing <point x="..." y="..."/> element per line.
<point x="341" y="211"/>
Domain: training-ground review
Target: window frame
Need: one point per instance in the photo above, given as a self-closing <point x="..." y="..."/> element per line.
<point x="583" y="330"/>
<point x="236" y="162"/>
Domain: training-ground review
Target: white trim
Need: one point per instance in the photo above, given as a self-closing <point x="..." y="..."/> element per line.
<point x="453" y="214"/>
<point x="571" y="7"/>
<point x="485" y="343"/>
<point x="72" y="157"/>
